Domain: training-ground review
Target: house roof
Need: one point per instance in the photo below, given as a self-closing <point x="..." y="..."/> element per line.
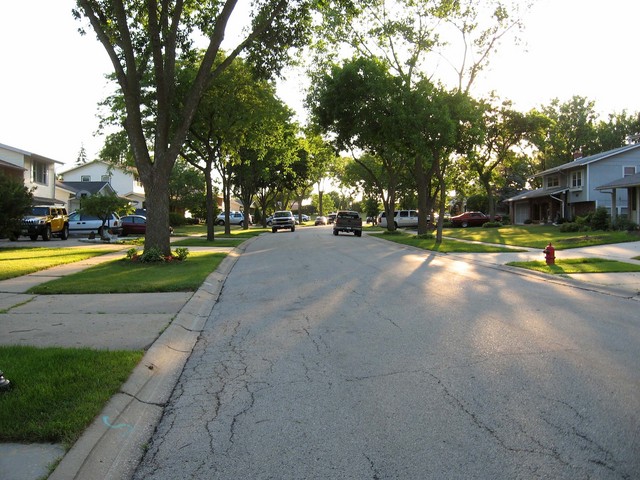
<point x="90" y="187"/>
<point x="11" y="166"/>
<point x="587" y="160"/>
<point x="82" y="165"/>
<point x="626" y="182"/>
<point x="540" y="192"/>
<point x="29" y="154"/>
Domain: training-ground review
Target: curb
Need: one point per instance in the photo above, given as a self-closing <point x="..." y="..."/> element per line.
<point x="111" y="447"/>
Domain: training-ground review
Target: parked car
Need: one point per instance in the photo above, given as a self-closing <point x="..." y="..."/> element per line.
<point x="331" y="218"/>
<point x="401" y="218"/>
<point x="283" y="219"/>
<point x="472" y="219"/>
<point x="321" y="220"/>
<point x="235" y="218"/>
<point x="81" y="223"/>
<point x="46" y="221"/>
<point x="348" y="221"/>
<point x="135" y="225"/>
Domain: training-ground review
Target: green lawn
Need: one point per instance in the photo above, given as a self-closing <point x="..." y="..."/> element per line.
<point x="538" y="236"/>
<point x="578" y="265"/>
<point x="125" y="276"/>
<point x="15" y="262"/>
<point x="57" y="392"/>
<point x="447" y="245"/>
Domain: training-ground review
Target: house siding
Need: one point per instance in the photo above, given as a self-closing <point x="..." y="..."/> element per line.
<point x="23" y="159"/>
<point x="564" y="198"/>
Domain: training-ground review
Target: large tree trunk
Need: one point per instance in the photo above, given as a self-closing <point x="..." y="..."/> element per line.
<point x="157" y="203"/>
<point x="422" y="184"/>
<point x="210" y="206"/>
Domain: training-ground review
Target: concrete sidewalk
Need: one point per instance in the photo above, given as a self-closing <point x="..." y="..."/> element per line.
<point x="111" y="446"/>
<point x="167" y="325"/>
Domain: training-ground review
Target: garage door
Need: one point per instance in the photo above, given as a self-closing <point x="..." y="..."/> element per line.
<point x="522" y="213"/>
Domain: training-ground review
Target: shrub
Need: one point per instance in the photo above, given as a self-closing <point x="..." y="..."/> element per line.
<point x="624" y="224"/>
<point x="574" y="227"/>
<point x="492" y="225"/>
<point x="177" y="220"/>
<point x="600" y="219"/>
<point x="447" y="225"/>
<point x="181" y="253"/>
<point x="528" y="221"/>
<point x="152" y="254"/>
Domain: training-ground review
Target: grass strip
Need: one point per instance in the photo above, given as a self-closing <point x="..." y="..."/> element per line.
<point x="125" y="276"/>
<point x="447" y="245"/>
<point x="579" y="265"/>
<point x="19" y="261"/>
<point x="57" y="392"/>
<point x="538" y="236"/>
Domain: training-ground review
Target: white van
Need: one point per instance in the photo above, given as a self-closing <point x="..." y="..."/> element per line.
<point x="402" y="218"/>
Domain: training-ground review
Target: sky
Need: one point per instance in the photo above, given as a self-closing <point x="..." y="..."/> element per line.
<point x="52" y="79"/>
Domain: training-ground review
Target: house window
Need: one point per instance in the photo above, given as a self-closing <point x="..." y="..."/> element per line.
<point x="39" y="172"/>
<point x="553" y="182"/>
<point x="576" y="179"/>
<point x="85" y="178"/>
<point x="628" y="171"/>
<point x="105" y="178"/>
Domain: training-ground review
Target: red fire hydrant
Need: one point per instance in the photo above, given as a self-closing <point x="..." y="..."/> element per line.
<point x="550" y="254"/>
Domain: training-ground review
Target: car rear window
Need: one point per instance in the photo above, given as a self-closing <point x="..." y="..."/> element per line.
<point x="348" y="215"/>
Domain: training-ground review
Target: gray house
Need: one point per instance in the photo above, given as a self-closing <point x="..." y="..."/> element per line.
<point x="579" y="187"/>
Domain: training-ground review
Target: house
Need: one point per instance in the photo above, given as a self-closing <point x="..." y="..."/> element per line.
<point x="631" y="183"/>
<point x="123" y="181"/>
<point x="37" y="172"/>
<point x="79" y="190"/>
<point x="576" y="188"/>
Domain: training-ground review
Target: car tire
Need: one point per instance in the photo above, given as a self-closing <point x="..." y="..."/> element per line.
<point x="358" y="234"/>
<point x="274" y="230"/>
<point x="465" y="224"/>
<point x="396" y="225"/>
<point x="221" y="222"/>
<point x="46" y="235"/>
<point x="33" y="237"/>
<point x="293" y="229"/>
<point x="335" y="232"/>
<point x="65" y="232"/>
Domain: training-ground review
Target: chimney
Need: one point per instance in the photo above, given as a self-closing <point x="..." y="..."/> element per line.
<point x="577" y="155"/>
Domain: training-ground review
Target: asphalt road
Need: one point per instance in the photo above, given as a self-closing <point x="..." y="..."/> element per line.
<point x="355" y="358"/>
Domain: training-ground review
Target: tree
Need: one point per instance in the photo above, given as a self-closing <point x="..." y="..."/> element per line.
<point x="186" y="188"/>
<point x="145" y="40"/>
<point x="408" y="37"/>
<point x="82" y="155"/>
<point x="507" y="132"/>
<point x="102" y="206"/>
<point x="15" y="202"/>
<point x="357" y="103"/>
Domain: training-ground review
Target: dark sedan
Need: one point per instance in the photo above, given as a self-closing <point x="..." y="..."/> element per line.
<point x="135" y="225"/>
<point x="472" y="219"/>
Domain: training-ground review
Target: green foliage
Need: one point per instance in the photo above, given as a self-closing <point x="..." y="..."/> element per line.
<point x="177" y="219"/>
<point x="478" y="203"/>
<point x="181" y="253"/>
<point x="492" y="225"/>
<point x="600" y="220"/>
<point x="574" y="227"/>
<point x="624" y="224"/>
<point x="152" y="255"/>
<point x="103" y="205"/>
<point x="15" y="202"/>
<point x="57" y="392"/>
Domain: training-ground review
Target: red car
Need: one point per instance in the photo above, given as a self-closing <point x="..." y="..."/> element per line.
<point x="135" y="225"/>
<point x="472" y="219"/>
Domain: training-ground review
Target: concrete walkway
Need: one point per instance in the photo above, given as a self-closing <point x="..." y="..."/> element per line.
<point x="110" y="447"/>
<point x="167" y="325"/>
